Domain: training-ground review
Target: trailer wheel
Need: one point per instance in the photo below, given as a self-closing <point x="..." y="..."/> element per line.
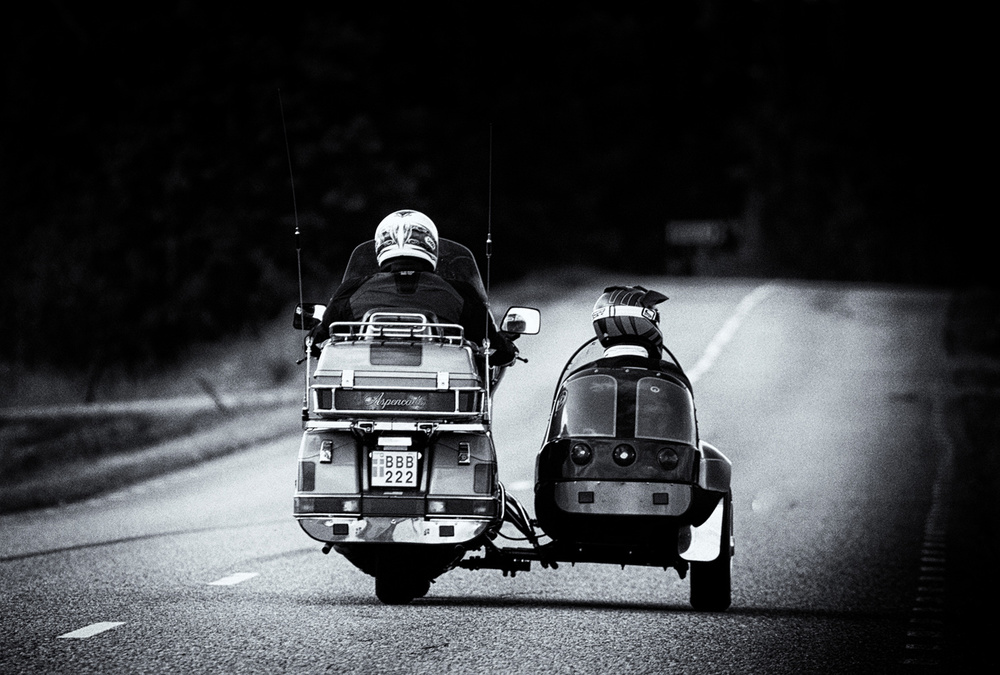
<point x="711" y="582"/>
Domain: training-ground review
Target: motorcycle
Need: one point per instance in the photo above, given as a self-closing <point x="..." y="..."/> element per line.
<point x="397" y="469"/>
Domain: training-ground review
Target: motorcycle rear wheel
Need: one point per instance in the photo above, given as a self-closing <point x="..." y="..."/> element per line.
<point x="394" y="590"/>
<point x="396" y="584"/>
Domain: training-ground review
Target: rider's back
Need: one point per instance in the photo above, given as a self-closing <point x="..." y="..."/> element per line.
<point x="407" y="290"/>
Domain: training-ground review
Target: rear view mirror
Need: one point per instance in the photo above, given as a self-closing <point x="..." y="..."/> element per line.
<point x="308" y="315"/>
<point x="521" y="321"/>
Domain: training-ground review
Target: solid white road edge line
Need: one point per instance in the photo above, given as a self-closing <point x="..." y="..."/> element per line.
<point x="91" y="630"/>
<point x="233" y="579"/>
<point x="728" y="330"/>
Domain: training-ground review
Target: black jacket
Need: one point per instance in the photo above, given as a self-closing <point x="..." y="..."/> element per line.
<point x="405" y="285"/>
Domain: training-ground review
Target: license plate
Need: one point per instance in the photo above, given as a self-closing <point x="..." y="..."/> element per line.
<point x="392" y="468"/>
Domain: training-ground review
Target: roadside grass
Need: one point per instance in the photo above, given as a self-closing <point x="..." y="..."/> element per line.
<point x="265" y="357"/>
<point x="48" y="458"/>
<point x="31" y="447"/>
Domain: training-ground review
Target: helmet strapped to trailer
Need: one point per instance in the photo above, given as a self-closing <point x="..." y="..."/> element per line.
<point x="628" y="314"/>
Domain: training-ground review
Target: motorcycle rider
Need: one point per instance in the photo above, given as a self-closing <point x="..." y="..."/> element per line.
<point x="626" y="321"/>
<point x="406" y="249"/>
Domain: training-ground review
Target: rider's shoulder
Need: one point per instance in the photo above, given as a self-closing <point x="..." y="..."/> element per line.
<point x="347" y="287"/>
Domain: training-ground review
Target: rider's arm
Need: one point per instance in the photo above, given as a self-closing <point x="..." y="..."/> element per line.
<point x="338" y="309"/>
<point x="506" y="350"/>
<point x="479" y="323"/>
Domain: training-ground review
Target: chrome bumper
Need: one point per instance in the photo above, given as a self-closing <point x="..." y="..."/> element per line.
<point x="394" y="530"/>
<point x="623" y="498"/>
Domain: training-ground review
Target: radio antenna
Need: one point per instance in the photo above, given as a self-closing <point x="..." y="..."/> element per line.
<point x="489" y="255"/>
<point x="298" y="245"/>
<point x="295" y="206"/>
<point x="489" y="213"/>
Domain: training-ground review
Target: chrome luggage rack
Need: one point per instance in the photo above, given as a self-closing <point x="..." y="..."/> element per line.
<point x="397" y="326"/>
<point x="397" y="364"/>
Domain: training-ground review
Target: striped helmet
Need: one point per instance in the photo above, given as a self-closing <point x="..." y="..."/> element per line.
<point x="406" y="234"/>
<point x="628" y="315"/>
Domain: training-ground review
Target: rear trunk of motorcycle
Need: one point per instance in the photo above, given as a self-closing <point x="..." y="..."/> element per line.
<point x="397" y="470"/>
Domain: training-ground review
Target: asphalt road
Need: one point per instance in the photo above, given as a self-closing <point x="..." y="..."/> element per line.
<point x="827" y="399"/>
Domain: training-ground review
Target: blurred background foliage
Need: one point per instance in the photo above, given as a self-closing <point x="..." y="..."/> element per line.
<point x="145" y="190"/>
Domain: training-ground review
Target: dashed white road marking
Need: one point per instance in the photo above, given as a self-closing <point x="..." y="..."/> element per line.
<point x="728" y="330"/>
<point x="233" y="579"/>
<point x="91" y="630"/>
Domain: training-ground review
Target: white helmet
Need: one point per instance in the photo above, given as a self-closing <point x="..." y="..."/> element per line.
<point x="406" y="233"/>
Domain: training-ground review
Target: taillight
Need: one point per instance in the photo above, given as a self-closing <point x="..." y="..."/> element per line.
<point x="623" y="454"/>
<point x="326" y="505"/>
<point x="461" y="507"/>
<point x="581" y="454"/>
<point x="668" y="458"/>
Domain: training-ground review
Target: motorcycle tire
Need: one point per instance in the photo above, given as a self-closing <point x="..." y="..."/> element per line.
<point x="396" y="591"/>
<point x="393" y="586"/>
